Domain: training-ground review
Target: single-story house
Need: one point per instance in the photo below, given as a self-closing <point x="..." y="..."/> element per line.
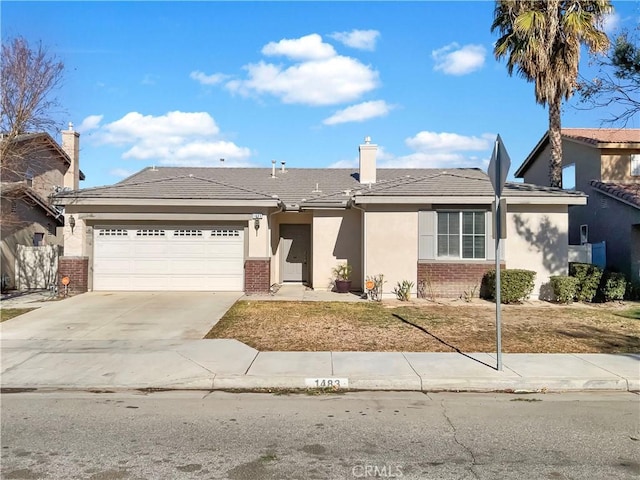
<point x="245" y="229"/>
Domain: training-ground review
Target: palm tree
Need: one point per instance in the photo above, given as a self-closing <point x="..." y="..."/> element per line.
<point x="541" y="39"/>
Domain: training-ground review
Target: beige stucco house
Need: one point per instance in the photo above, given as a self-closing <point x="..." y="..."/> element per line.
<point x="248" y="228"/>
<point x="605" y="164"/>
<point x="35" y="168"/>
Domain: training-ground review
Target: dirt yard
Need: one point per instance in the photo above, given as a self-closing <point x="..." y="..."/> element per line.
<point x="423" y="326"/>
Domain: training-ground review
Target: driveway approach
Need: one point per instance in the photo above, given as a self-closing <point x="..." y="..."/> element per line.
<point x="123" y="316"/>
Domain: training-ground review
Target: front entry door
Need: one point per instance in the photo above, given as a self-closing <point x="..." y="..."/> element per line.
<point x="295" y="253"/>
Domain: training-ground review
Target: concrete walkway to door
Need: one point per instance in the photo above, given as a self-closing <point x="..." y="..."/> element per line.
<point x="123" y="316"/>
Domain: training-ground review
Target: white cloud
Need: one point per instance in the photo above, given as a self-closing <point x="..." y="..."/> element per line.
<point x="327" y="81"/>
<point x="359" y="113"/>
<point x="381" y="157"/>
<point x="121" y="172"/>
<point x="443" y="150"/>
<point x="309" y="47"/>
<point x="450" y="142"/>
<point x="360" y="39"/>
<point x="176" y="138"/>
<point x="91" y="122"/>
<point x="611" y="23"/>
<point x="435" y="150"/>
<point x="204" y="79"/>
<point x="149" y="79"/>
<point x="311" y="73"/>
<point x="456" y="60"/>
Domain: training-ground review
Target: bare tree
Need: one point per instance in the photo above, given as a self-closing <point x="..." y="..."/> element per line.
<point x="29" y="78"/>
<point x="617" y="82"/>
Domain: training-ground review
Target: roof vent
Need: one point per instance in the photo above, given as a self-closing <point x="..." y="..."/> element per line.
<point x="282" y="168"/>
<point x="191" y="175"/>
<point x="317" y="189"/>
<point x="273" y="169"/>
<point x="222" y="161"/>
<point x="153" y="168"/>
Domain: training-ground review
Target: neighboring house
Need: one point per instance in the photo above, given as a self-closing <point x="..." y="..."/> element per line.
<point x="37" y="168"/>
<point x="605" y="164"/>
<point x="248" y="228"/>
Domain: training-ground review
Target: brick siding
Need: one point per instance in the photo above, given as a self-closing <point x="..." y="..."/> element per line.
<point x="257" y="276"/>
<point x="451" y="280"/>
<point x="77" y="269"/>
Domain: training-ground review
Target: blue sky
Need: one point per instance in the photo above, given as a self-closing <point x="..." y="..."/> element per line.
<point x="188" y="83"/>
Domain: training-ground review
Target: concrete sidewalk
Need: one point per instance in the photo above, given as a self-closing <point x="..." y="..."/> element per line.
<point x="229" y="364"/>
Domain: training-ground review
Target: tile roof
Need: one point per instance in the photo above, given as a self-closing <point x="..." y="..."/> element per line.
<point x="13" y="190"/>
<point x="597" y="136"/>
<point x="298" y="186"/>
<point x="188" y="186"/>
<point x="628" y="192"/>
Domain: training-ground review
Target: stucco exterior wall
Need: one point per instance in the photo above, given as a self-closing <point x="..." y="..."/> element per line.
<point x="537" y="240"/>
<point x="616" y="166"/>
<point x="47" y="171"/>
<point x="611" y="221"/>
<point x="29" y="220"/>
<point x="258" y="240"/>
<point x="585" y="158"/>
<point x="391" y="245"/>
<point x="336" y="239"/>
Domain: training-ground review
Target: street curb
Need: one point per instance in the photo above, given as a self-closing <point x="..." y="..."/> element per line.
<point x="249" y="383"/>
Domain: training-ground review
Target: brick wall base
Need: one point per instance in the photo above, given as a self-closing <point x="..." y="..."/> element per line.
<point x="452" y="280"/>
<point x="257" y="276"/>
<point x="77" y="269"/>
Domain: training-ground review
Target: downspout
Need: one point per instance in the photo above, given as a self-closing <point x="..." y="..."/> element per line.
<point x="352" y="204"/>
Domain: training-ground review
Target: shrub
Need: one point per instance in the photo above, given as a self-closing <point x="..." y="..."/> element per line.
<point x="633" y="291"/>
<point x="403" y="290"/>
<point x="515" y="285"/>
<point x="613" y="286"/>
<point x="588" y="280"/>
<point x="564" y="288"/>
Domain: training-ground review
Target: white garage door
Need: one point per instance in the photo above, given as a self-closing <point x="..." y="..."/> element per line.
<point x="189" y="258"/>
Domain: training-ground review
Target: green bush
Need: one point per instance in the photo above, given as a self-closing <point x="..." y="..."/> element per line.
<point x="564" y="288"/>
<point x="633" y="291"/>
<point x="588" y="280"/>
<point x="613" y="286"/>
<point x="403" y="290"/>
<point x="515" y="285"/>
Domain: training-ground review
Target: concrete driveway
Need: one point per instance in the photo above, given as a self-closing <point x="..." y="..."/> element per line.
<point x="123" y="316"/>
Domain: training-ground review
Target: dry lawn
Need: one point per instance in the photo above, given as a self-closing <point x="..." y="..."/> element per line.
<point x="429" y="327"/>
<point x="9" y="313"/>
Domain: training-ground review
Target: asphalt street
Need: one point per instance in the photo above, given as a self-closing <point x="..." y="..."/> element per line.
<point x="412" y="435"/>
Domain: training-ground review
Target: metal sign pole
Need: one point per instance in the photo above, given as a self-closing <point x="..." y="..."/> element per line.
<point x="498" y="221"/>
<point x="497" y="172"/>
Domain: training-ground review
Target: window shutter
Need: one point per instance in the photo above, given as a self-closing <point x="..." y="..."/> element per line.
<point x="426" y="235"/>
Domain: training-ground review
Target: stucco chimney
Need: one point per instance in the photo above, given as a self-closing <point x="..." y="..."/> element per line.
<point x="71" y="146"/>
<point x="368" y="161"/>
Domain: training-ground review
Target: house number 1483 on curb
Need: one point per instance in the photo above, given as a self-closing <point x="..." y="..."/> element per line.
<point x="335" y="383"/>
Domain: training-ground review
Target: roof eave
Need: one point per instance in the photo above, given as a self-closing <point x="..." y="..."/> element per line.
<point x="572" y="199"/>
<point x="177" y="202"/>
<point x="534" y="153"/>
